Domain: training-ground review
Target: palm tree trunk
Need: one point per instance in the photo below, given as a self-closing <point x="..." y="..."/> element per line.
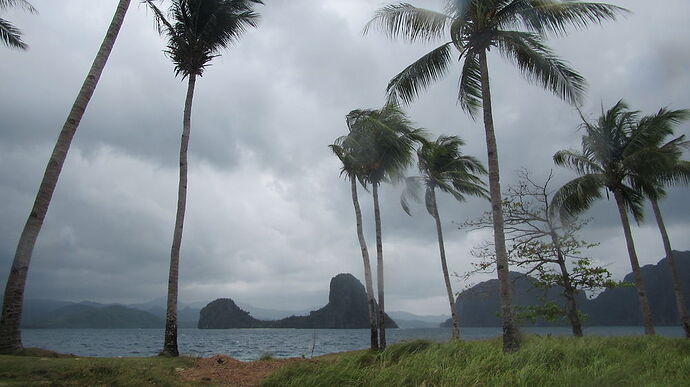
<point x="367" y="268"/>
<point x="675" y="278"/>
<point x="639" y="282"/>
<point x="444" y="266"/>
<point x="10" y="334"/>
<point x="511" y="335"/>
<point x="170" y="345"/>
<point x="379" y="267"/>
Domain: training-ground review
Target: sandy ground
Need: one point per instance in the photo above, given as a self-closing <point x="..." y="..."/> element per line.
<point x="226" y="370"/>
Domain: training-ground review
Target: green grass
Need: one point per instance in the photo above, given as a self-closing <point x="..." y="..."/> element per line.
<point x="543" y="361"/>
<point x="43" y="368"/>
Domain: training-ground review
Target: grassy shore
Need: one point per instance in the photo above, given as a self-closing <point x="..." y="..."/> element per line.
<point x="543" y="361"/>
<point x="44" y="368"/>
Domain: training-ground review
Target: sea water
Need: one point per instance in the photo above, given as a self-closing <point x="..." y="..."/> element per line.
<point x="250" y="344"/>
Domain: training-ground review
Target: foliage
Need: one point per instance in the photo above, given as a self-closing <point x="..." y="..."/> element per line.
<point x="543" y="361"/>
<point x="620" y="151"/>
<point x="201" y="28"/>
<point x="542" y="246"/>
<point x="10" y="35"/>
<point x="380" y="144"/>
<point x="476" y="26"/>
<point x="442" y="165"/>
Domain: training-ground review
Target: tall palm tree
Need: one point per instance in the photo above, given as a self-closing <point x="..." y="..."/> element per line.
<point x="199" y="30"/>
<point x="442" y="165"/>
<point x="677" y="172"/>
<point x="617" y="150"/>
<point x="10" y="335"/>
<point x="346" y="148"/>
<point x="10" y="35"/>
<point x="516" y="28"/>
<point x="386" y="140"/>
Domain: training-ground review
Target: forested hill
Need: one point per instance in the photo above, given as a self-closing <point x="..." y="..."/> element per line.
<point x="479" y="305"/>
<point x="84" y="315"/>
<point x="346" y="308"/>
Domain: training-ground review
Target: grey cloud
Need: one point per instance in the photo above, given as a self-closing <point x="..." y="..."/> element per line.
<point x="269" y="219"/>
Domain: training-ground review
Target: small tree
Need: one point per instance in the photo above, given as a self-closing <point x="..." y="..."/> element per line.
<point x="544" y="247"/>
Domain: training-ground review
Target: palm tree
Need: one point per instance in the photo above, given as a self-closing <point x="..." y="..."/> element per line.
<point x="346" y="149"/>
<point x="10" y="335"/>
<point x="199" y="30"/>
<point x="10" y="35"/>
<point x="616" y="151"/>
<point x="474" y="27"/>
<point x="677" y="172"/>
<point x="442" y="165"/>
<point x="386" y="140"/>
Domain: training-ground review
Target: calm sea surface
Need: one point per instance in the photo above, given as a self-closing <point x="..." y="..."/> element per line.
<point x="250" y="344"/>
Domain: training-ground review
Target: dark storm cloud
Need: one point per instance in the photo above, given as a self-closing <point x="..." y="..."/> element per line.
<point x="269" y="220"/>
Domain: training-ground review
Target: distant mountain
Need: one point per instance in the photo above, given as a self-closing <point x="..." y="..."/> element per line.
<point x="187" y="315"/>
<point x="89" y="316"/>
<point x="409" y="320"/>
<point x="620" y="306"/>
<point x="346" y="308"/>
<point x="480" y="306"/>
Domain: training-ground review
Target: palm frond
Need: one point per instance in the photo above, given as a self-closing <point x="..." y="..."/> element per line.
<point x="11" y="36"/>
<point x="470" y="94"/>
<point x="633" y="200"/>
<point x="540" y="65"/>
<point x="651" y="130"/>
<point x="557" y="17"/>
<point x="407" y="85"/>
<point x="4" y="4"/>
<point x="577" y="195"/>
<point x="410" y="22"/>
<point x="577" y="161"/>
<point x="413" y="186"/>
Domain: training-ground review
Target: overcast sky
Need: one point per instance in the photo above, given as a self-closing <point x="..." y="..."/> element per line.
<point x="269" y="219"/>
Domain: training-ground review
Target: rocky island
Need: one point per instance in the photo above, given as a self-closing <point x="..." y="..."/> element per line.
<point x="346" y="309"/>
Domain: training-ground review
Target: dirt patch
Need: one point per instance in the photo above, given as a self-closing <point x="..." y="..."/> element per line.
<point x="226" y="370"/>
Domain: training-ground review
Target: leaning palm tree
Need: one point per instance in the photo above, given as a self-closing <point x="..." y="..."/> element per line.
<point x="386" y="140"/>
<point x="346" y="148"/>
<point x="516" y="28"/>
<point x="10" y="35"/>
<point x="653" y="187"/>
<point x="616" y="150"/>
<point x="442" y="165"/>
<point x="10" y="335"/>
<point x="198" y="30"/>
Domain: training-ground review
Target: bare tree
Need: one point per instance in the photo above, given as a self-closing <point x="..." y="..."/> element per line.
<point x="544" y="247"/>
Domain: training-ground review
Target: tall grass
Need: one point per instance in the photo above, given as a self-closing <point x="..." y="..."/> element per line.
<point x="74" y="371"/>
<point x="542" y="361"/>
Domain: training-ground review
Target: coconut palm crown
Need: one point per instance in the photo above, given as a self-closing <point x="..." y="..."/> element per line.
<point x="10" y="35"/>
<point x="620" y="153"/>
<point x="516" y="28"/>
<point x="442" y="165"/>
<point x="385" y="141"/>
<point x="201" y="28"/>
